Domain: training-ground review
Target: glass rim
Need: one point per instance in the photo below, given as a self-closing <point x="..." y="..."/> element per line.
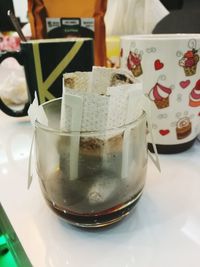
<point x="39" y="125"/>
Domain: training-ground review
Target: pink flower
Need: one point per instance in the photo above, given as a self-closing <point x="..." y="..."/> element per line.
<point x="9" y="43"/>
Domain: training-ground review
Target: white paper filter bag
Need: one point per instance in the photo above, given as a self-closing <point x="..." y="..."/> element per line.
<point x="100" y="100"/>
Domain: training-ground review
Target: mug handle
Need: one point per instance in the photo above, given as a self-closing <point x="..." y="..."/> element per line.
<point x="14" y="113"/>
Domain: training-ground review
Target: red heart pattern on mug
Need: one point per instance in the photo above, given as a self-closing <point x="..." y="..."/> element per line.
<point x="164" y="132"/>
<point x="158" y="64"/>
<point x="184" y="84"/>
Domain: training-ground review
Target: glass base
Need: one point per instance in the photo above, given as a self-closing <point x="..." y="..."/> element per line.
<point x="95" y="220"/>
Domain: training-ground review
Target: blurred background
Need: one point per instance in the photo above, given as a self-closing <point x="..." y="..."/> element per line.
<point x="133" y="17"/>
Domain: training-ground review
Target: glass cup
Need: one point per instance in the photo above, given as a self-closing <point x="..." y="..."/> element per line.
<point x="99" y="183"/>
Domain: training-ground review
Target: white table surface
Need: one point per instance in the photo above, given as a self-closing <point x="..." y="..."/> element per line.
<point x="163" y="230"/>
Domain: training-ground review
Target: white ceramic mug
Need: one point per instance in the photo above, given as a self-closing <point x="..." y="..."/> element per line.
<point x="169" y="67"/>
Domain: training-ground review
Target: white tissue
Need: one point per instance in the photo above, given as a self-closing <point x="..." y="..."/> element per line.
<point x="13" y="89"/>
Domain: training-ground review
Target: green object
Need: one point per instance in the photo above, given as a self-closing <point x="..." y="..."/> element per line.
<point x="12" y="253"/>
<point x="6" y="257"/>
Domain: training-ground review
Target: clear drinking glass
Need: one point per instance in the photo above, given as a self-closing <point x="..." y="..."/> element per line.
<point x="98" y="183"/>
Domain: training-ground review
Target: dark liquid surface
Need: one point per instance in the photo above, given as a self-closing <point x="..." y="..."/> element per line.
<point x="95" y="220"/>
<point x="93" y="201"/>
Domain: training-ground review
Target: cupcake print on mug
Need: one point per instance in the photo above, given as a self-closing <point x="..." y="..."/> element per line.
<point x="134" y="63"/>
<point x="159" y="94"/>
<point x="194" y="97"/>
<point x="190" y="59"/>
